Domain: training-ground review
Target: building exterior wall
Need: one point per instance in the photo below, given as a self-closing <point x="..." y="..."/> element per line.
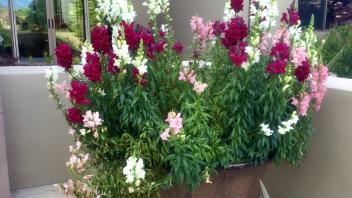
<point x="326" y="172"/>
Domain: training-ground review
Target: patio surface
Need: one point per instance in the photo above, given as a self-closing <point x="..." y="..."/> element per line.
<point x="48" y="191"/>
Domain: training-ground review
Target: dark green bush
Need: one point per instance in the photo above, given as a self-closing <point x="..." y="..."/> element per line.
<point x="338" y="39"/>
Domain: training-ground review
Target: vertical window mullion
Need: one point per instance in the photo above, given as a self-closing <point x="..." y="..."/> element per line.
<point x="86" y="20"/>
<point x="12" y="14"/>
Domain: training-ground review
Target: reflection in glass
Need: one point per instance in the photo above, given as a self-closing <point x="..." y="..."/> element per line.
<point x="307" y="8"/>
<point x="32" y="30"/>
<point x="339" y="12"/>
<point x="5" y="35"/>
<point x="69" y="23"/>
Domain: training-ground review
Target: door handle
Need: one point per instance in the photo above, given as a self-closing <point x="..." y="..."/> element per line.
<point x="52" y="23"/>
<point x="48" y="23"/>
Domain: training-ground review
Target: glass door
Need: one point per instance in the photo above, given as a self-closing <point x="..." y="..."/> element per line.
<point x="6" y="57"/>
<point x="32" y="31"/>
<point x="69" y="17"/>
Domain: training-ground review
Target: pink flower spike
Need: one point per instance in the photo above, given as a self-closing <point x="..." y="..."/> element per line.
<point x="182" y="76"/>
<point x="298" y="56"/>
<point x="191" y="77"/>
<point x="281" y="35"/>
<point x="165" y="135"/>
<point x="61" y="88"/>
<point x="199" y="87"/>
<point x="303" y="105"/>
<point x="294" y="101"/>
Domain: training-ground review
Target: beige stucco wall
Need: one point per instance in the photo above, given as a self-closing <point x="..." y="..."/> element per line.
<point x="35" y="132"/>
<point x="326" y="172"/>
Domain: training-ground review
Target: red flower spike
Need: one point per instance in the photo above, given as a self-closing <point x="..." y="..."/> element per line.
<point x="235" y="32"/>
<point x="178" y="47"/>
<point x="101" y="39"/>
<point x="238" y="55"/>
<point x="237" y="5"/>
<point x="92" y="69"/>
<point x="132" y="37"/>
<point x="74" y="116"/>
<point x="78" y="93"/>
<point x="280" y="51"/>
<point x="218" y="28"/>
<point x="276" y="67"/>
<point x="160" y="46"/>
<point x="112" y="69"/>
<point x="64" y="56"/>
<point x="302" y="72"/>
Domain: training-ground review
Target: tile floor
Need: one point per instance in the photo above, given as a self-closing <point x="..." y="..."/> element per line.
<point x="48" y="191"/>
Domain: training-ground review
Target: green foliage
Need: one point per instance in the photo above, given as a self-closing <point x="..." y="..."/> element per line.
<point x="339" y="38"/>
<point x="6" y="36"/>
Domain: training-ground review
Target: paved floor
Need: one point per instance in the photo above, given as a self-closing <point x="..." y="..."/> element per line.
<point x="48" y="191"/>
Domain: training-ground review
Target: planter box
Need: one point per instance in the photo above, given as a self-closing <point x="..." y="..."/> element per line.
<point x="237" y="182"/>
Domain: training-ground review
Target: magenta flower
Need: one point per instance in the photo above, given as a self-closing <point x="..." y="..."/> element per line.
<point x="74" y="115"/>
<point x="178" y="47"/>
<point x="237" y="5"/>
<point x="92" y="68"/>
<point x="64" y="56"/>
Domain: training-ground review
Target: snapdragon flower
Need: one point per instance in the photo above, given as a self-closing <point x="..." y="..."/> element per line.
<point x="134" y="171"/>
<point x="287" y="126"/>
<point x="175" y="125"/>
<point x="61" y="88"/>
<point x="140" y="62"/>
<point x="229" y="13"/>
<point x="187" y="75"/>
<point x="264" y="13"/>
<point x="302" y="104"/>
<point x="86" y="48"/>
<point x="156" y="7"/>
<point x="121" y="51"/>
<point x="253" y="54"/>
<point x="92" y="120"/>
<point x="265" y="128"/>
<point x="116" y="9"/>
<point x="199" y="87"/>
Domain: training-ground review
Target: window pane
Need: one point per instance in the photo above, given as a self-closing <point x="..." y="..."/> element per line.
<point x="5" y="35"/>
<point x="339" y="12"/>
<point x="307" y="8"/>
<point x="69" y="21"/>
<point x="31" y="22"/>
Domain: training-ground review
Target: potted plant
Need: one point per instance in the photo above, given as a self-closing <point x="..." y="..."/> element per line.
<point x="148" y="124"/>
